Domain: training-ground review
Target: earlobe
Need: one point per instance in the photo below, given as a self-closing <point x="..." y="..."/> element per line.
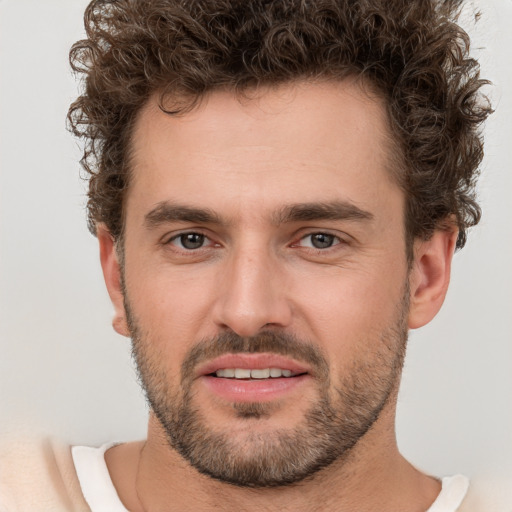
<point x="112" y="275"/>
<point x="430" y="276"/>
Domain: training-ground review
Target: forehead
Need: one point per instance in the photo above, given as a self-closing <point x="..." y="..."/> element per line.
<point x="300" y="142"/>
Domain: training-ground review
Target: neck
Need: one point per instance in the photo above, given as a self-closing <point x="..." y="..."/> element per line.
<point x="374" y="476"/>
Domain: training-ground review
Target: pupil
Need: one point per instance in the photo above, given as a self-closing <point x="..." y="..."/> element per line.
<point x="192" y="240"/>
<point x="322" y="240"/>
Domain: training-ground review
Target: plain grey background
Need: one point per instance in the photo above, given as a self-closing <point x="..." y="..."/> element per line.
<point x="62" y="368"/>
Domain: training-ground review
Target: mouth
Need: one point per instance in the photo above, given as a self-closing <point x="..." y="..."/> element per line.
<point x="252" y="377"/>
<point x="254" y="373"/>
<point x="252" y="366"/>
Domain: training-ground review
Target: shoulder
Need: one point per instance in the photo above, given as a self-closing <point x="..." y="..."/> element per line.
<point x="38" y="474"/>
<point x="488" y="493"/>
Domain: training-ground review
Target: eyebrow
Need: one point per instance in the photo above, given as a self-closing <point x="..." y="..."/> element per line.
<point x="334" y="210"/>
<point x="166" y="212"/>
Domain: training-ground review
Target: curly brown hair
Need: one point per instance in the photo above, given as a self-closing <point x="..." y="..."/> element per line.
<point x="412" y="52"/>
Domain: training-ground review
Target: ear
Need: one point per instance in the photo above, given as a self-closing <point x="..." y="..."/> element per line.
<point x="430" y="276"/>
<point x="112" y="276"/>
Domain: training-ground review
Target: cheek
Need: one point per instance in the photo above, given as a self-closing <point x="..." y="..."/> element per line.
<point x="348" y="315"/>
<point x="170" y="305"/>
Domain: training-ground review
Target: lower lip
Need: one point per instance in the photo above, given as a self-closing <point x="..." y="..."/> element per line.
<point x="239" y="390"/>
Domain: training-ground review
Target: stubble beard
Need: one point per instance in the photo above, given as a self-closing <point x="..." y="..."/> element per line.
<point x="333" y="424"/>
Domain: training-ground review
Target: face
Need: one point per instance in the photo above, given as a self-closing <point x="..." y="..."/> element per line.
<point x="265" y="278"/>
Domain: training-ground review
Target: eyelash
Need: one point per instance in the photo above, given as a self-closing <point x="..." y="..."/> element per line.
<point x="336" y="240"/>
<point x="184" y="234"/>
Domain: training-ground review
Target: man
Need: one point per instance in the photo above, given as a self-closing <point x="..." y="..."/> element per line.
<point x="277" y="189"/>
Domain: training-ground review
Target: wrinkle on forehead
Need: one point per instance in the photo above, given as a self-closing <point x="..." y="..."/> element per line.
<point x="220" y="110"/>
<point x="259" y="151"/>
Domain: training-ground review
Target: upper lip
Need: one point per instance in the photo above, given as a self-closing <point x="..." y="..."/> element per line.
<point x="252" y="362"/>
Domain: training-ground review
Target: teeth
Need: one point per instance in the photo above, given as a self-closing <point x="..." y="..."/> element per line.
<point x="275" y="372"/>
<point x="243" y="373"/>
<point x="227" y="372"/>
<point x="260" y="374"/>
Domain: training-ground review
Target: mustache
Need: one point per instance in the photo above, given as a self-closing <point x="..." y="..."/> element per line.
<point x="283" y="344"/>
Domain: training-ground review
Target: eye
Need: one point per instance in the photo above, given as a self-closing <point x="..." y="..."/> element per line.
<point x="319" y="241"/>
<point x="189" y="241"/>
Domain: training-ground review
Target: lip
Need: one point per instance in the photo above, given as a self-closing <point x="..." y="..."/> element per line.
<point x="251" y="361"/>
<point x="266" y="390"/>
<point x="252" y="390"/>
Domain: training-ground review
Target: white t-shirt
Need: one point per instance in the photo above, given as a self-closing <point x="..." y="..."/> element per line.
<point x="101" y="495"/>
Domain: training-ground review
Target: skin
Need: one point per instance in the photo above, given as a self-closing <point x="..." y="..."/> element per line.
<point x="246" y="160"/>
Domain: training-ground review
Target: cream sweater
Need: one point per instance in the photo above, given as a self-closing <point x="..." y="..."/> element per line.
<point x="39" y="476"/>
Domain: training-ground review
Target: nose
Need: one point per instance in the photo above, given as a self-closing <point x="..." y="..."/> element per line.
<point x="251" y="295"/>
